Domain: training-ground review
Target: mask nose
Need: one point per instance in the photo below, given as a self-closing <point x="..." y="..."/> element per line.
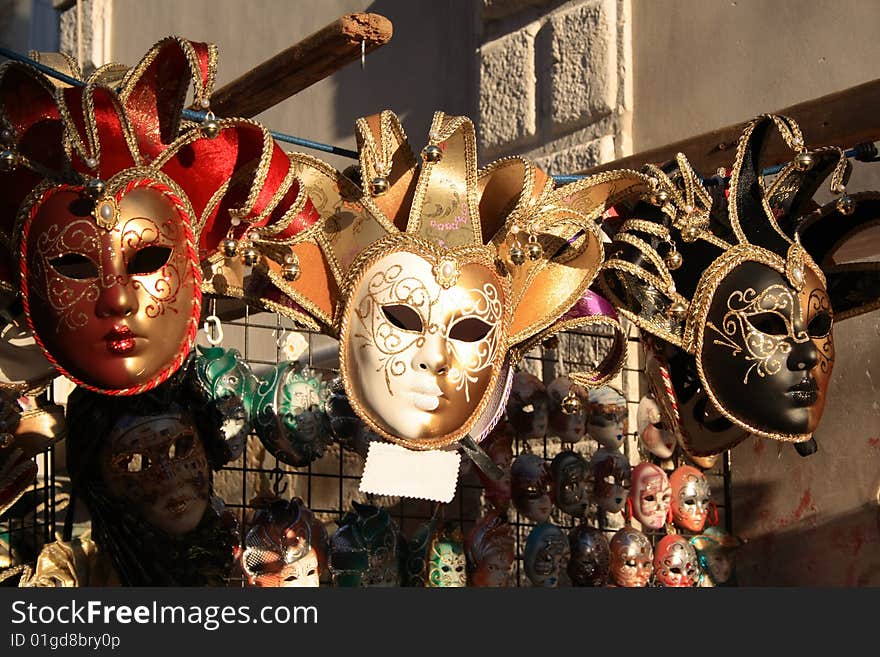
<point x="116" y="301"/>
<point x="433" y="356"/>
<point x="803" y="357"/>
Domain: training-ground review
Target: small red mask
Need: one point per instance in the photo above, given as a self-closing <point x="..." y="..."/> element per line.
<point x="691" y="498"/>
<point x="675" y="562"/>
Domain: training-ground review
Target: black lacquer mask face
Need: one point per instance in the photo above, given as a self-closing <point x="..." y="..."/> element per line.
<point x="767" y="349"/>
<point x="590" y="556"/>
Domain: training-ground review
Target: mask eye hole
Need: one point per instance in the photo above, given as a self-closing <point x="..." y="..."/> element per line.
<point x="769" y="323"/>
<point x="469" y="329"/>
<point x="148" y="260"/>
<point x="180" y="447"/>
<point x="403" y="317"/>
<point x="75" y="265"/>
<point x="133" y="462"/>
<point x="820" y="325"/>
<point x="649" y="498"/>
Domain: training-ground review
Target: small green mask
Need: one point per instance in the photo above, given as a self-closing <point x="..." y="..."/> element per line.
<point x="446" y="560"/>
<point x="289" y="414"/>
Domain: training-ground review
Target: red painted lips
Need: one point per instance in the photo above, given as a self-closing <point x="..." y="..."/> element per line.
<point x="120" y="341"/>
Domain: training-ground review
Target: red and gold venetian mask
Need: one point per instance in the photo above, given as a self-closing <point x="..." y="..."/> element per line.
<point x="113" y="204"/>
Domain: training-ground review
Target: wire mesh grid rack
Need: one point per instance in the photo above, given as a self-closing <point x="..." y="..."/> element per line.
<point x="30" y="523"/>
<point x="329" y="484"/>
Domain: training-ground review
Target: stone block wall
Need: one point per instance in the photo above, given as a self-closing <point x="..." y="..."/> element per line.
<point x="555" y="82"/>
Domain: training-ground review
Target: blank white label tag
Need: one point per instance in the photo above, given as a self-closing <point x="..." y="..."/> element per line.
<point x="394" y="470"/>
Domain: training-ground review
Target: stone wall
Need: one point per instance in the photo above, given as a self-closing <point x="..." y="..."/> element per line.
<point x="555" y="81"/>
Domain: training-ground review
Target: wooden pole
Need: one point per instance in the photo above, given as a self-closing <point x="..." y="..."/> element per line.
<point x="311" y="60"/>
<point x="843" y="119"/>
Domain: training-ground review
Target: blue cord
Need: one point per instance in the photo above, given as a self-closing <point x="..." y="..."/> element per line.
<point x="193" y="115"/>
<point x="188" y="114"/>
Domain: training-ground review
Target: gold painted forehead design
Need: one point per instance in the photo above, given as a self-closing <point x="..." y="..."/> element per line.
<point x="545" y="241"/>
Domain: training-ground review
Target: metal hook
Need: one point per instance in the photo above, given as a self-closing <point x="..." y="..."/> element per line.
<point x="213" y="320"/>
<point x="277" y="476"/>
<point x="279" y="341"/>
<point x="363" y="54"/>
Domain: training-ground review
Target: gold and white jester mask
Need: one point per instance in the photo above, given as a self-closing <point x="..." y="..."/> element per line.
<point x="436" y="277"/>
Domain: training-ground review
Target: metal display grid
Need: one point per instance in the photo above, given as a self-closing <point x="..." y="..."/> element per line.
<point x="341" y="470"/>
<point x="30" y="523"/>
<point x="328" y="485"/>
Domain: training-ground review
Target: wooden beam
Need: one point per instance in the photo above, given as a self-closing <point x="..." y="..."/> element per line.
<point x="311" y="60"/>
<point x="843" y="119"/>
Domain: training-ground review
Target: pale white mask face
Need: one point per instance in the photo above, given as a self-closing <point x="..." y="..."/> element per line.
<point x="419" y="357"/>
<point x="651" y="495"/>
<point x="656" y="440"/>
<point x="302" y="572"/>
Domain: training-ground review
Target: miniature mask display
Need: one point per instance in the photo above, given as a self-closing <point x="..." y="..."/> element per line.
<point x="569" y="408"/>
<point x="227" y="383"/>
<point x="691" y="498"/>
<point x="285" y="546"/>
<point x="608" y="422"/>
<point x="631" y="558"/>
<point x="652" y="432"/>
<point x="716" y="551"/>
<point x="528" y="408"/>
<point x="434" y="276"/>
<point x="675" y="562"/>
<point x="590" y="560"/>
<point x="569" y="476"/>
<point x="650" y="495"/>
<point x="446" y="563"/>
<point x="288" y="414"/>
<point x="490" y="552"/>
<point x="365" y="549"/>
<point x="611" y="475"/>
<point x="546" y="555"/>
<point x="530" y="487"/>
<point x="499" y="446"/>
<point x="720" y="279"/>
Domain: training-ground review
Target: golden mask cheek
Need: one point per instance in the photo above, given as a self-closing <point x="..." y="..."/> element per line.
<point x="816" y="307"/>
<point x="58" y="305"/>
<point x="154" y="245"/>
